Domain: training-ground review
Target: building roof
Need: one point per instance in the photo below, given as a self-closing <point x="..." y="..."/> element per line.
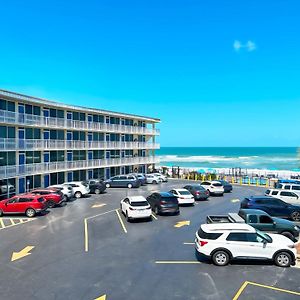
<point x="25" y="98"/>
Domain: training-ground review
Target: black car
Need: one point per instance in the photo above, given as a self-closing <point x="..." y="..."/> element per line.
<point x="96" y="186"/>
<point x="226" y="185"/>
<point x="273" y="206"/>
<point x="198" y="191"/>
<point x="163" y="203"/>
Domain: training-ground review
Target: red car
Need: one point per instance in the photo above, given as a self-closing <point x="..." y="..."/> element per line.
<point x="53" y="197"/>
<point x="29" y="205"/>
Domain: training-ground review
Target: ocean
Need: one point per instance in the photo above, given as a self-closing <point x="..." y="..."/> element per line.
<point x="264" y="158"/>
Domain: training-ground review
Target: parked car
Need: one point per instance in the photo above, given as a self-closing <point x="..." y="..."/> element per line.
<point x="288" y="181"/>
<point x="198" y="191"/>
<point x="213" y="187"/>
<point x="152" y="178"/>
<point x="141" y="177"/>
<point x="295" y="188"/>
<point x="79" y="188"/>
<point x="163" y="203"/>
<point x="274" y="207"/>
<point x="54" y="197"/>
<point x="183" y="196"/>
<point x="96" y="186"/>
<point x="260" y="220"/>
<point x="136" y="207"/>
<point x="129" y="181"/>
<point x="163" y="177"/>
<point x="227" y="241"/>
<point x="287" y="196"/>
<point x="27" y="204"/>
<point x="226" y="185"/>
<point x="65" y="189"/>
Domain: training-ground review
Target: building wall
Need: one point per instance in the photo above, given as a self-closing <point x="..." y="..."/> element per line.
<point x="44" y="143"/>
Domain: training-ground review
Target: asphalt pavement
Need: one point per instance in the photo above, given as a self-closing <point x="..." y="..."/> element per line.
<point x="87" y="250"/>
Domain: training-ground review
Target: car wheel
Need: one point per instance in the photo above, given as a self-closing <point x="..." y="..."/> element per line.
<point x="107" y="185"/>
<point x="129" y="185"/>
<point x="127" y="218"/>
<point x="283" y="259"/>
<point x="208" y="191"/>
<point x="220" y="258"/>
<point x="30" y="213"/>
<point x="295" y="216"/>
<point x="154" y="182"/>
<point x="150" y="219"/>
<point x="1" y="213"/>
<point x="78" y="195"/>
<point x="63" y="203"/>
<point x="97" y="191"/>
<point x="288" y="235"/>
<point x="51" y="204"/>
<point x="156" y="210"/>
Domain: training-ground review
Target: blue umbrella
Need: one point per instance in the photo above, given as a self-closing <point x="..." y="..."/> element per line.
<point x="210" y="170"/>
<point x="296" y="170"/>
<point x="201" y="171"/>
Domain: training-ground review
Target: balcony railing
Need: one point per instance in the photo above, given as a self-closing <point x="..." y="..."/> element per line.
<point x="20" y="144"/>
<point x="49" y="122"/>
<point x="42" y="168"/>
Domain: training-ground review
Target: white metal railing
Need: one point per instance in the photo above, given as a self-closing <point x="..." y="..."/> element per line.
<point x="41" y="168"/>
<point x="20" y="144"/>
<point x="50" y="122"/>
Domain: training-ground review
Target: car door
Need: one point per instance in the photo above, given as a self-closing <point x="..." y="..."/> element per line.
<point x="114" y="181"/>
<point x="288" y="197"/>
<point x="278" y="208"/>
<point x="11" y="205"/>
<point x="265" y="223"/>
<point x="125" y="204"/>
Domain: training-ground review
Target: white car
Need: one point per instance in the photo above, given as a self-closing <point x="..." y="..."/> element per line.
<point x="213" y="187"/>
<point x="152" y="178"/>
<point x="284" y="195"/>
<point x="65" y="189"/>
<point x="291" y="187"/>
<point x="136" y="207"/>
<point x="163" y="177"/>
<point x="223" y="242"/>
<point x="79" y="188"/>
<point x="183" y="196"/>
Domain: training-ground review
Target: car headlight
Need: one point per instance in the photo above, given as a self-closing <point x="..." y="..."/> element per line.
<point x="297" y="228"/>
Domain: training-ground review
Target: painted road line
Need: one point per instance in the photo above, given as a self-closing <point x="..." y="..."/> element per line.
<point x="24" y="252"/>
<point x="10" y="222"/>
<point x="104" y="213"/>
<point x="188" y="243"/>
<point x="103" y="297"/>
<point x="97" y="205"/>
<point x="184" y="262"/>
<point x="235" y="200"/>
<point x="2" y="224"/>
<point x="239" y="292"/>
<point x="86" y="236"/>
<point x="121" y="221"/>
<point x="153" y="216"/>
<point x="182" y="223"/>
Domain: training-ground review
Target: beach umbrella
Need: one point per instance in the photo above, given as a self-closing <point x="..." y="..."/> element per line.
<point x="210" y="170"/>
<point x="201" y="171"/>
<point x="296" y="170"/>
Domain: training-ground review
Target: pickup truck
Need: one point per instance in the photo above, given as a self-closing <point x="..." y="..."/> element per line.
<point x="259" y="220"/>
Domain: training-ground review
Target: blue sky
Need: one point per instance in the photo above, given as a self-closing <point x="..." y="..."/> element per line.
<point x="174" y="60"/>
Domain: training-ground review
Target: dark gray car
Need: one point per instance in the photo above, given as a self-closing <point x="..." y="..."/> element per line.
<point x="129" y="181"/>
<point x="163" y="203"/>
<point x="198" y="191"/>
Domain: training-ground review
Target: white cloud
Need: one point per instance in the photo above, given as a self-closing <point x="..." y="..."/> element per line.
<point x="249" y="46"/>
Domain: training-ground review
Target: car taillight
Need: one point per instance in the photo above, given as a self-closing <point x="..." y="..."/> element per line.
<point x="130" y="208"/>
<point x="202" y="243"/>
<point x="206" y="192"/>
<point x="181" y="197"/>
<point x="163" y="202"/>
<point x="197" y="193"/>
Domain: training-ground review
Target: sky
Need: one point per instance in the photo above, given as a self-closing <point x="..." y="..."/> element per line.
<point x="217" y="73"/>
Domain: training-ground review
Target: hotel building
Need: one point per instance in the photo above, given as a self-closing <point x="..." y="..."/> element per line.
<point x="44" y="142"/>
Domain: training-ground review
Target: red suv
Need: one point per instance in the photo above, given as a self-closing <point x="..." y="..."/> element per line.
<point x="53" y="197"/>
<point x="29" y="205"/>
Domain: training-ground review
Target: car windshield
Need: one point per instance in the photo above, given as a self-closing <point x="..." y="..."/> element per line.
<point x="264" y="236"/>
<point x="217" y="184"/>
<point x="139" y="203"/>
<point x="184" y="193"/>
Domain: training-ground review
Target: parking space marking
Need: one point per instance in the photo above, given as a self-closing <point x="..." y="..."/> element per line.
<point x="188" y="243"/>
<point x="154" y="216"/>
<point x="97" y="205"/>
<point x="103" y="297"/>
<point x="182" y="223"/>
<point x="246" y="283"/>
<point x="184" y="262"/>
<point x="10" y="222"/>
<point x="121" y="221"/>
<point x="235" y="200"/>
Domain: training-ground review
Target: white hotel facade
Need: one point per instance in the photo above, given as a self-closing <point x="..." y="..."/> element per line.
<point x="44" y="142"/>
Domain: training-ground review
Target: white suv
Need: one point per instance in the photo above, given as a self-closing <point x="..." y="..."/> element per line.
<point x="213" y="187"/>
<point x="284" y="195"/>
<point x="227" y="241"/>
<point x="79" y="188"/>
<point x="295" y="188"/>
<point x="65" y="189"/>
<point x="152" y="178"/>
<point x="163" y="177"/>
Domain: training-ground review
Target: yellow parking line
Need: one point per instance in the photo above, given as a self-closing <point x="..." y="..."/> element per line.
<point x="12" y="222"/>
<point x="86" y="236"/>
<point x="121" y="221"/>
<point x="177" y="262"/>
<point x="2" y="223"/>
<point x="153" y="215"/>
<point x="237" y="295"/>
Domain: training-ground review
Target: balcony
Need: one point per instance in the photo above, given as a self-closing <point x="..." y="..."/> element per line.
<point x="49" y="122"/>
<point x="27" y="145"/>
<point x="44" y="168"/>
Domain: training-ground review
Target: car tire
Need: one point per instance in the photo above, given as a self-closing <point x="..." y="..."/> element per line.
<point x="221" y="258"/>
<point x="51" y="204"/>
<point x="97" y="191"/>
<point x="154" y="182"/>
<point x="129" y="185"/>
<point x="78" y="195"/>
<point x="208" y="192"/>
<point x="63" y="203"/>
<point x="30" y="212"/>
<point x="283" y="259"/>
<point x="107" y="185"/>
<point x="150" y="219"/>
<point x="289" y="235"/>
<point x="127" y="218"/>
<point x="1" y="213"/>
<point x="295" y="216"/>
<point x="156" y="210"/>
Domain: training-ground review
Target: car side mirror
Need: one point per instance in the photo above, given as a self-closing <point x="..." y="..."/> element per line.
<point x="274" y="223"/>
<point x="264" y="243"/>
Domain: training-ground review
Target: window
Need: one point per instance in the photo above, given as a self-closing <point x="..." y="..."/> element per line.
<point x="52" y="112"/>
<point x="265" y="220"/>
<point x="29" y="133"/>
<point x="82" y="116"/>
<point x="2" y="104"/>
<point x="267" y="192"/>
<point x="244" y="237"/>
<point x="208" y="236"/>
<point x="274" y="193"/>
<point x="3" y="131"/>
<point x="25" y="199"/>
<point x="122" y="178"/>
<point x="28" y="109"/>
<point x="287" y="187"/>
<point x="287" y="194"/>
<point x="36" y="133"/>
<point x="37" y="110"/>
<point x="252" y="218"/>
<point x="11" y="106"/>
<point x="60" y="114"/>
<point x="75" y="115"/>
<point x="296" y="187"/>
<point x="139" y="203"/>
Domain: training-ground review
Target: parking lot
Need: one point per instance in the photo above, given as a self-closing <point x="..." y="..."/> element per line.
<point x="87" y="250"/>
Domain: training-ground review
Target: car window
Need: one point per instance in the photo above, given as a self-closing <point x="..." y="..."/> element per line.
<point x="139" y="203"/>
<point x="244" y="237"/>
<point x="208" y="235"/>
<point x="287" y="187"/>
<point x="217" y="184"/>
<point x="13" y="200"/>
<point x="25" y="199"/>
<point x="184" y="193"/>
<point x="131" y="177"/>
<point x="267" y="192"/>
<point x="205" y="183"/>
<point x="92" y="182"/>
<point x="274" y="193"/>
<point x="252" y="218"/>
<point x="287" y="194"/>
<point x="296" y="187"/>
<point x="265" y="220"/>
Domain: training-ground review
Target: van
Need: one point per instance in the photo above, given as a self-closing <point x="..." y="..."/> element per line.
<point x="295" y="188"/>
